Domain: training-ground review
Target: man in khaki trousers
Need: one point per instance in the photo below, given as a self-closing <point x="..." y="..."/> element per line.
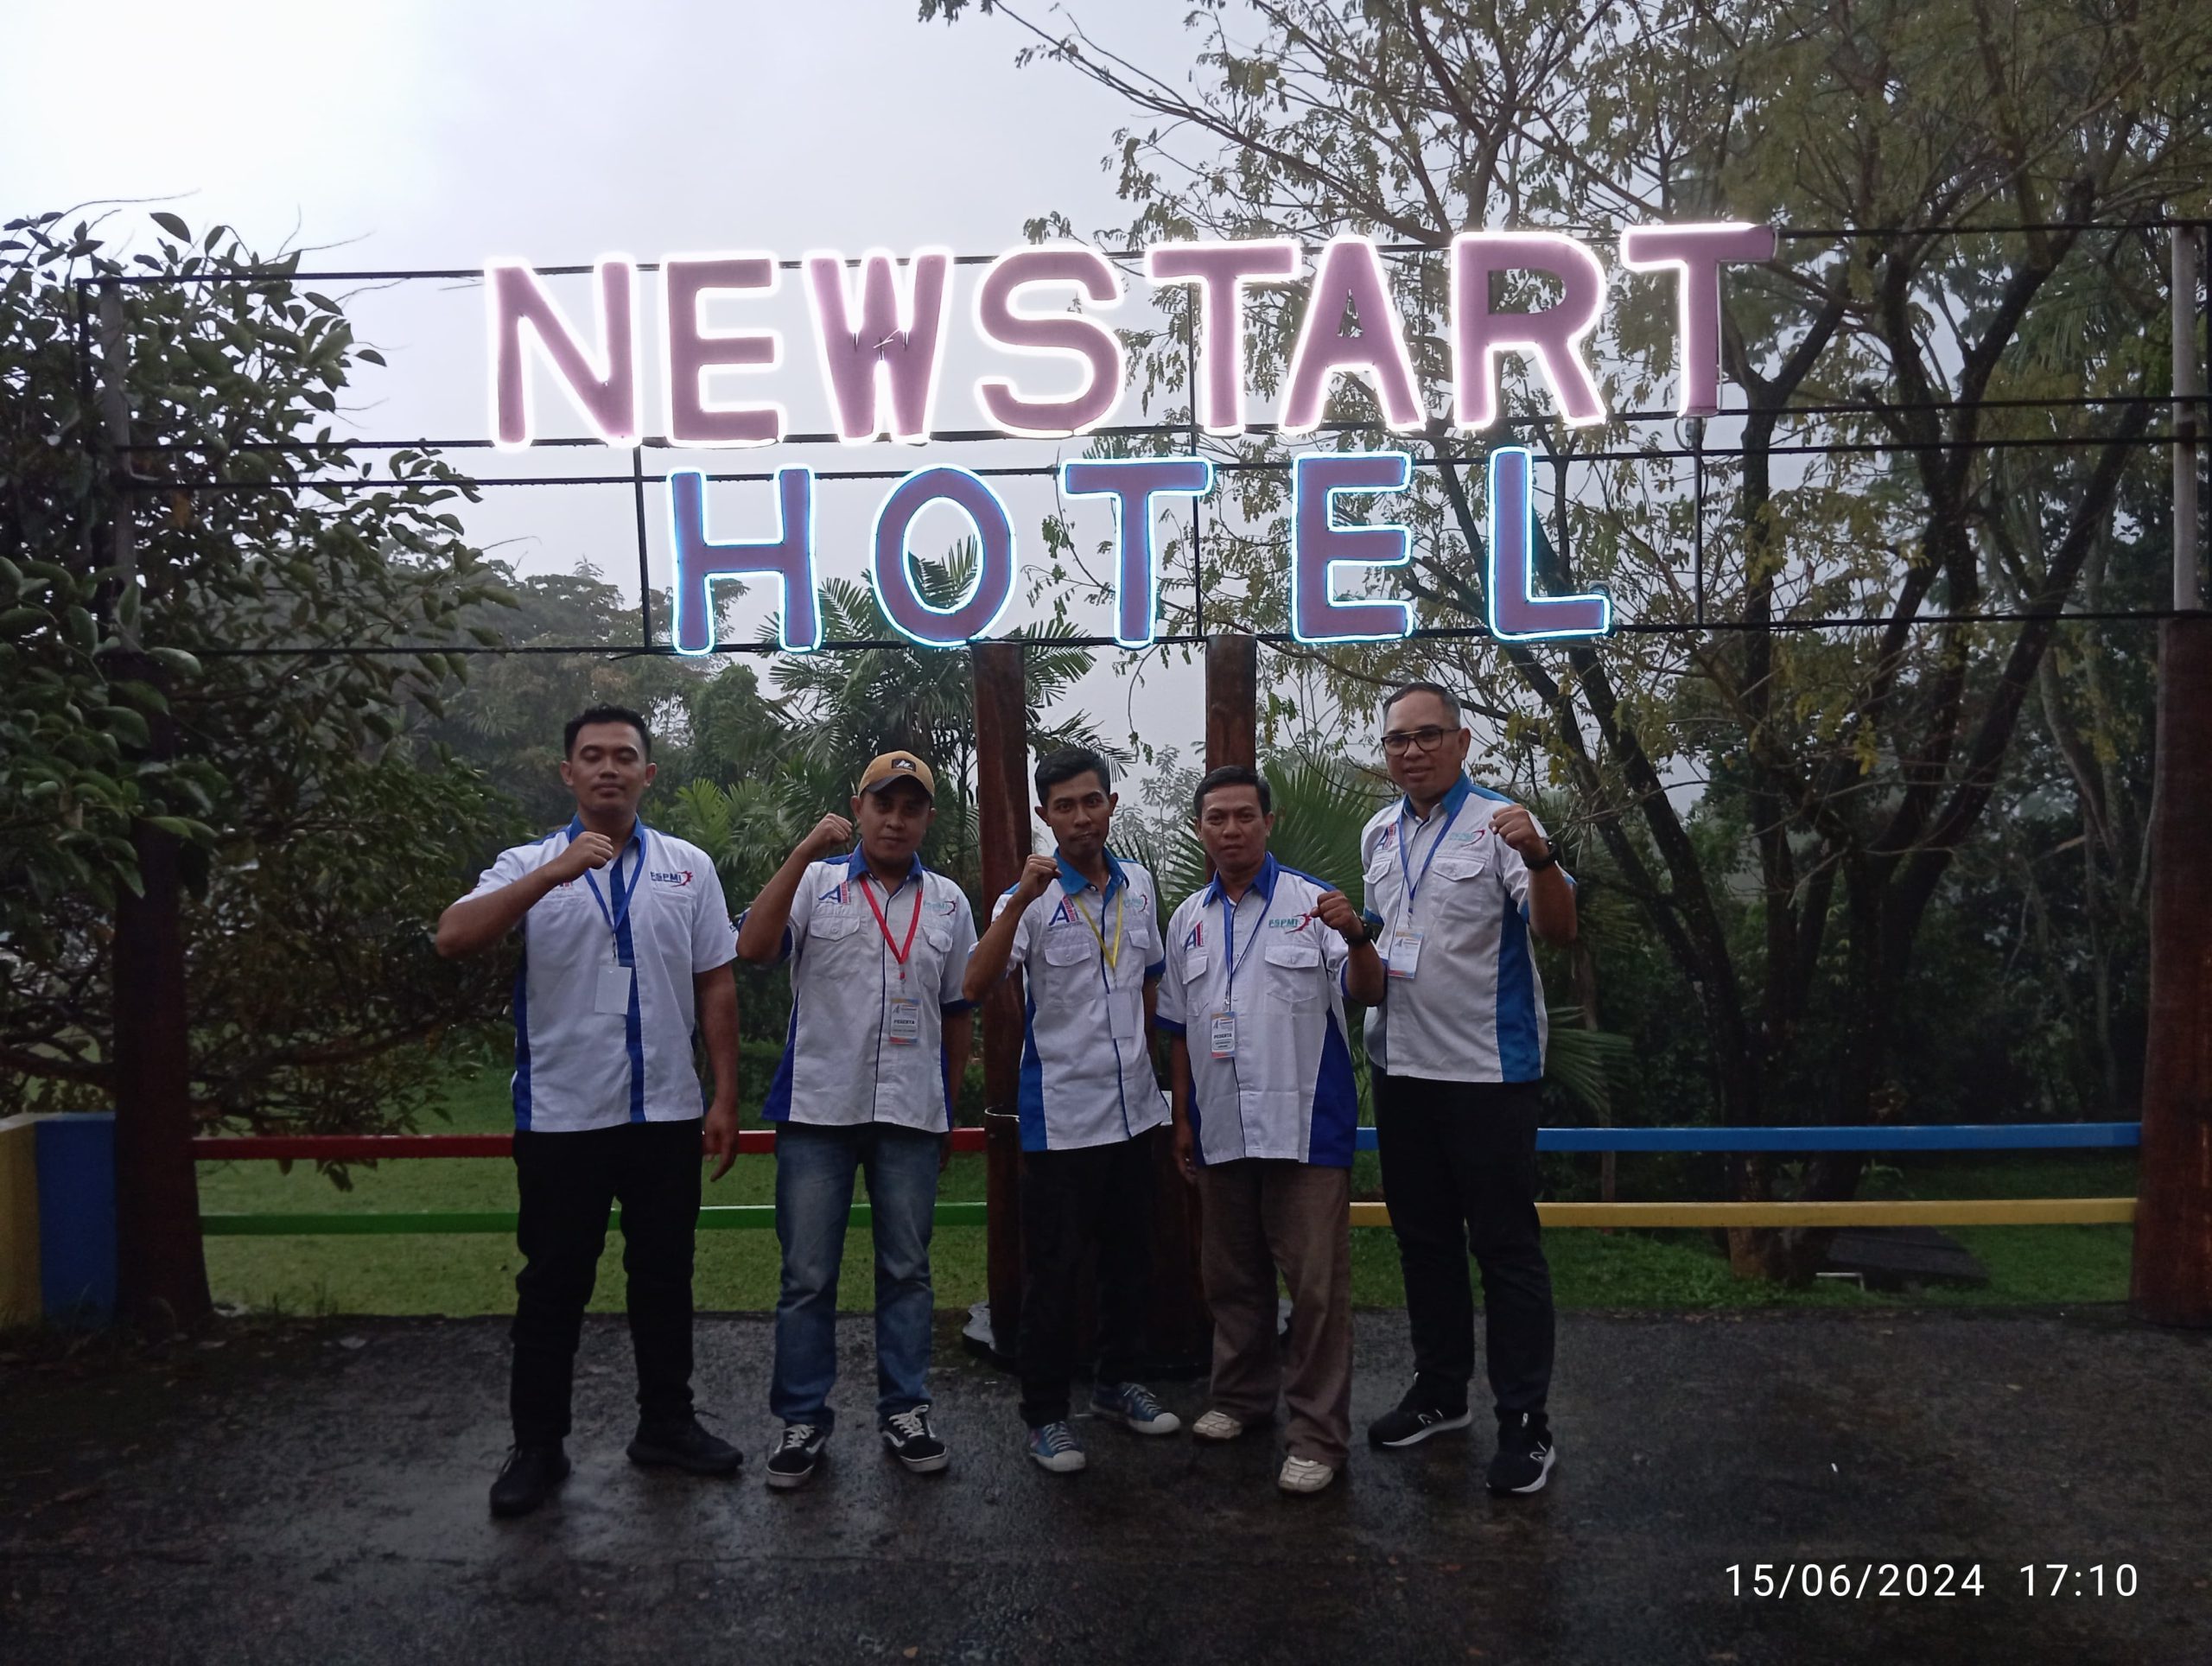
<point x="1259" y="966"/>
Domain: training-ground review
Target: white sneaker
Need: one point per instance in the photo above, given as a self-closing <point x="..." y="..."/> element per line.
<point x="1303" y="1475"/>
<point x="1217" y="1426"/>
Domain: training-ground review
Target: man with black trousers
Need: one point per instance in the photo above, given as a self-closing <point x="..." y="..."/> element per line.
<point x="626" y="953"/>
<point x="1082" y="927"/>
<point x="1459" y="878"/>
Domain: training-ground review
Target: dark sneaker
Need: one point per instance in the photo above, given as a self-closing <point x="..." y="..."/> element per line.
<point x="1135" y="1406"/>
<point x="1525" y="1454"/>
<point x="908" y="1437"/>
<point x="792" y="1464"/>
<point x="1419" y="1415"/>
<point x="528" y="1479"/>
<point x="1053" y="1446"/>
<point x="684" y="1446"/>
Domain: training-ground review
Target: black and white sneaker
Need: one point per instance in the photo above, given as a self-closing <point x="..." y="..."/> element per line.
<point x="1420" y="1414"/>
<point x="1525" y="1454"/>
<point x="793" y="1461"/>
<point x="908" y="1437"/>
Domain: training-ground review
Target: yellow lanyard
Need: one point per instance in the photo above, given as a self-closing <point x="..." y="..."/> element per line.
<point x="1112" y="956"/>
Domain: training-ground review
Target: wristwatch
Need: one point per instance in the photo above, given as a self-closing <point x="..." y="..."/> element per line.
<point x="1550" y="858"/>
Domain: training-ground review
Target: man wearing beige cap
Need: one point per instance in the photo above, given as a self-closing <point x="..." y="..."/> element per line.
<point x="877" y="945"/>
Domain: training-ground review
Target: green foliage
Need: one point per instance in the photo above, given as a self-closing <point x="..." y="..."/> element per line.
<point x="316" y="840"/>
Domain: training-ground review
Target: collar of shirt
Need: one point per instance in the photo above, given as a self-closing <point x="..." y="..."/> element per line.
<point x="1263" y="882"/>
<point x="855" y="864"/>
<point x="1072" y="883"/>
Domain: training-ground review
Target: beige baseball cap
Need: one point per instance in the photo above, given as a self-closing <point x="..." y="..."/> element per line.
<point x="898" y="767"/>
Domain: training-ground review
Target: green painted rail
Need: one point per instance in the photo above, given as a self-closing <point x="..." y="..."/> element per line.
<point x="333" y="1222"/>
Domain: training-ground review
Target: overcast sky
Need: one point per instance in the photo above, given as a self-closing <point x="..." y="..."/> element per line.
<point x="416" y="134"/>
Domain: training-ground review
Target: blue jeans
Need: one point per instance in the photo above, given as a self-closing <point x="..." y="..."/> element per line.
<point x="814" y="1199"/>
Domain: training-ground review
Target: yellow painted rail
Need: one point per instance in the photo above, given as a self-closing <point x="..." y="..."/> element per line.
<point x="1964" y="1211"/>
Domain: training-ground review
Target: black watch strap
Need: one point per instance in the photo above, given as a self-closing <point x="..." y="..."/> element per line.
<point x="1550" y="858"/>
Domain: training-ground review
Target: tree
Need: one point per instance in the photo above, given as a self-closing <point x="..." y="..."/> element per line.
<point x="269" y="570"/>
<point x="1813" y="788"/>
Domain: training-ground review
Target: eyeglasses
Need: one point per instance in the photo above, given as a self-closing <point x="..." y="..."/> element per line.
<point x="1398" y="742"/>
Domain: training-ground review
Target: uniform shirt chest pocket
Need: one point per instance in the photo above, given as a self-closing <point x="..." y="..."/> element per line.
<point x="833" y="923"/>
<point x="1067" y="948"/>
<point x="1294" y="976"/>
<point x="1466" y="863"/>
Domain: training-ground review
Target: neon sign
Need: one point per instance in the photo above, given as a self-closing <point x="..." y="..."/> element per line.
<point x="880" y="326"/>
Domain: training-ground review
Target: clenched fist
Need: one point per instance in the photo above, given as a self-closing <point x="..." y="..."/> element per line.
<point x="1334" y="910"/>
<point x="832" y="832"/>
<point x="1039" y="876"/>
<point x="586" y="850"/>
<point x="1518" y="829"/>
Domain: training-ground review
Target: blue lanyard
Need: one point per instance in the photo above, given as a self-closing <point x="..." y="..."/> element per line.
<point x="1406" y="868"/>
<point x="621" y="910"/>
<point x="1228" y="946"/>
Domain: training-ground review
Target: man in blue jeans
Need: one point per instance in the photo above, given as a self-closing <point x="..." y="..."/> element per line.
<point x="879" y="1031"/>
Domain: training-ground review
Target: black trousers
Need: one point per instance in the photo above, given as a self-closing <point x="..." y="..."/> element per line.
<point x="1098" y="1197"/>
<point x="568" y="1183"/>
<point x="1460" y="1173"/>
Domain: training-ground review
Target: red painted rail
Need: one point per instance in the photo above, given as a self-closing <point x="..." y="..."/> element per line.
<point x="372" y="1148"/>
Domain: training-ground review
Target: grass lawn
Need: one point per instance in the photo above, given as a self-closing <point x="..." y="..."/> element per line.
<point x="475" y="1273"/>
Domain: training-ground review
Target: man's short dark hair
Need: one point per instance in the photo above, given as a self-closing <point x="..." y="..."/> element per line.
<point x="584" y="720"/>
<point x="1451" y="699"/>
<point x="1068" y="763"/>
<point x="1232" y="775"/>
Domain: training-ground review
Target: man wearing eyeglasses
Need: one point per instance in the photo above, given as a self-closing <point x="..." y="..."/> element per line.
<point x="1458" y="879"/>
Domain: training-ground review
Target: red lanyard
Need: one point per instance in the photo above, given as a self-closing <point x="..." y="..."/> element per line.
<point x="899" y="950"/>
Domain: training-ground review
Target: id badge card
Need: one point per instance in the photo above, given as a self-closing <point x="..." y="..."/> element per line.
<point x="1125" y="1014"/>
<point x="1405" y="951"/>
<point x="902" y="1022"/>
<point x="614" y="985"/>
<point x="1223" y="1030"/>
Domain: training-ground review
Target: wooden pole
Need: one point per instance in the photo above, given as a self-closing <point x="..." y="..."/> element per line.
<point x="1002" y="834"/>
<point x="161" y="1266"/>
<point x="2172" y="1278"/>
<point x="1232" y="702"/>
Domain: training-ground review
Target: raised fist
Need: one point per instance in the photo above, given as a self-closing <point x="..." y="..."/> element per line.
<point x="1038" y="875"/>
<point x="832" y="832"/>
<point x="585" y="850"/>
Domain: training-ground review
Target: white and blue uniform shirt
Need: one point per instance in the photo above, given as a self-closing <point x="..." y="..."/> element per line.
<point x="1257" y="991"/>
<point x="1086" y="956"/>
<point x="604" y="1005"/>
<point x="873" y="979"/>
<point x="1473" y="1008"/>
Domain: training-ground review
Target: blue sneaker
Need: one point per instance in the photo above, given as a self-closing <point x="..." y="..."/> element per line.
<point x="1054" y="1447"/>
<point x="1135" y="1406"/>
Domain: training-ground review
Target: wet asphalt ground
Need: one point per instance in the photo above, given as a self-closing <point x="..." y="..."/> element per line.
<point x="315" y="1491"/>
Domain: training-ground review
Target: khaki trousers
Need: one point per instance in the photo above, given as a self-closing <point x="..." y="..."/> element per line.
<point x="1262" y="1216"/>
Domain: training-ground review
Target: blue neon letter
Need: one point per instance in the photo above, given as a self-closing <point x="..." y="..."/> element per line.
<point x="788" y="557"/>
<point x="1132" y="483"/>
<point x="1516" y="612"/>
<point x="1318" y="546"/>
<point x="943" y="627"/>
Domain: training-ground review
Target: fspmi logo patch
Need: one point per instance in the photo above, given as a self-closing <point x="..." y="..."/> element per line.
<point x="681" y="878"/>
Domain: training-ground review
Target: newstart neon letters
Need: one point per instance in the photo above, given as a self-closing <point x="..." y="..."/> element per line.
<point x="879" y="329"/>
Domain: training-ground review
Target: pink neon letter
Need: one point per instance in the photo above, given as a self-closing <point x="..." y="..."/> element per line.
<point x="1695" y="254"/>
<point x="1350" y="271"/>
<point x="1050" y="334"/>
<point x="1318" y="545"/>
<point x="608" y="402"/>
<point x="895" y="339"/>
<point x="1132" y="483"/>
<point x="700" y="561"/>
<point x="1553" y="334"/>
<point x="692" y="351"/>
<point x="1221" y="271"/>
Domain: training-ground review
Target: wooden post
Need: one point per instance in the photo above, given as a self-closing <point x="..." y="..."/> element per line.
<point x="1002" y="833"/>
<point x="2172" y="1280"/>
<point x="1232" y="702"/>
<point x="161" y="1265"/>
